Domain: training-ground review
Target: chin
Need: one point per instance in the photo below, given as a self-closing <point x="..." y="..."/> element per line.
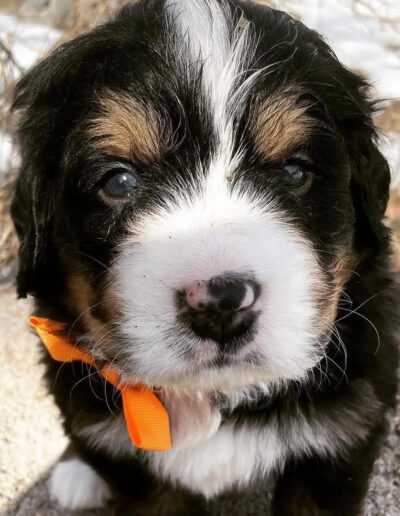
<point x="201" y="202"/>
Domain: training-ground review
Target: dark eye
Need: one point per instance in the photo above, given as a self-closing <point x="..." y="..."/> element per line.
<point x="121" y="184"/>
<point x="294" y="173"/>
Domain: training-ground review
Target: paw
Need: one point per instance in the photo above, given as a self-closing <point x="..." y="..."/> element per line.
<point x="75" y="485"/>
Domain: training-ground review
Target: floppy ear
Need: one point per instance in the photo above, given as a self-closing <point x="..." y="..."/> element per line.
<point x="42" y="99"/>
<point x="351" y="108"/>
<point x="31" y="211"/>
<point x="37" y="105"/>
<point x="370" y="186"/>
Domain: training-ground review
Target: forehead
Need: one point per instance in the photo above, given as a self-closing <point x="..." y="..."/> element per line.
<point x="204" y="66"/>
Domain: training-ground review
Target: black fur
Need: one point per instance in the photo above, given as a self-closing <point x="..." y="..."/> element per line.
<point x="64" y="228"/>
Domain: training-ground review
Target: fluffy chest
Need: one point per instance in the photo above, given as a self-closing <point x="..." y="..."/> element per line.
<point x="214" y="460"/>
<point x="230" y="457"/>
<point x="209" y="456"/>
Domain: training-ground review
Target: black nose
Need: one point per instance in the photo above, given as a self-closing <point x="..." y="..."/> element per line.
<point x="221" y="308"/>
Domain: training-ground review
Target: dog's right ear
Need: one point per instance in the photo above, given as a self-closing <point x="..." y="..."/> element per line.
<point x="36" y="106"/>
<point x="45" y="111"/>
<point x="31" y="210"/>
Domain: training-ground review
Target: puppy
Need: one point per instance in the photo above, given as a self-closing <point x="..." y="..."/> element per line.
<point x="200" y="203"/>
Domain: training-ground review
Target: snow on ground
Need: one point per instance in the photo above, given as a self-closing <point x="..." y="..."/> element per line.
<point x="27" y="43"/>
<point x="390" y="147"/>
<point x="6" y="152"/>
<point x="365" y="34"/>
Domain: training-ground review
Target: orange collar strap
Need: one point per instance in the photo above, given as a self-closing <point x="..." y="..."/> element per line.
<point x="146" y="418"/>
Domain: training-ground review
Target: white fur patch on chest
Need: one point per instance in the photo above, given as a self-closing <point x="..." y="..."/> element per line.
<point x="231" y="457"/>
<point x="210" y="460"/>
<point x="209" y="456"/>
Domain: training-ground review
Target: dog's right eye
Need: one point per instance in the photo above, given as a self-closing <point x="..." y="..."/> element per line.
<point x="120" y="185"/>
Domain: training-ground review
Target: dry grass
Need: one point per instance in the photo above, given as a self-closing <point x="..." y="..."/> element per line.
<point x="89" y="13"/>
<point x="8" y="238"/>
<point x="389" y="120"/>
<point x="393" y="219"/>
<point x="9" y="70"/>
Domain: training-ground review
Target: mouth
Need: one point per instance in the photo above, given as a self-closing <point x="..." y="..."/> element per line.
<point x="236" y="355"/>
<point x="224" y="360"/>
<point x="229" y="333"/>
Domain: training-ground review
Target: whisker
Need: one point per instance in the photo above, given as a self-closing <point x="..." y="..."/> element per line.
<point x="368" y="321"/>
<point x="359" y="306"/>
<point x="108" y="269"/>
<point x="340" y="346"/>
<point x="92" y="373"/>
<point x="81" y="315"/>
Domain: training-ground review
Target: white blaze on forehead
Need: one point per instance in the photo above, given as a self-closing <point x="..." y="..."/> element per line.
<point x="223" y="51"/>
<point x="205" y="28"/>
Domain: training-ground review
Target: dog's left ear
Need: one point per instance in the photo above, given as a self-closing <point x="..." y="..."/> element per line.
<point x="370" y="182"/>
<point x="352" y="109"/>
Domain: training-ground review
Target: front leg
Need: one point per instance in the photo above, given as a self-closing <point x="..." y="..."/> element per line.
<point x="74" y="484"/>
<point x="86" y="478"/>
<point x="325" y="486"/>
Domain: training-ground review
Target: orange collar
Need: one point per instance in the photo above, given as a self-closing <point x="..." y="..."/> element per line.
<point x="146" y="418"/>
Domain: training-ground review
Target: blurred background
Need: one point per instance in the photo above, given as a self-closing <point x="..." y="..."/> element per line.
<point x="365" y="34"/>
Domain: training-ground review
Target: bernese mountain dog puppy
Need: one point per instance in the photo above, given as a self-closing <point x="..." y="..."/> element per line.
<point x="201" y="203"/>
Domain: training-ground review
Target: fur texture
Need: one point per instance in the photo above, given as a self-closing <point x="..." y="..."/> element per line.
<point x="211" y="142"/>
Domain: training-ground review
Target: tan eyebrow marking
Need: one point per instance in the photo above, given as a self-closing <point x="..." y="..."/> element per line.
<point x="281" y="124"/>
<point x="129" y="129"/>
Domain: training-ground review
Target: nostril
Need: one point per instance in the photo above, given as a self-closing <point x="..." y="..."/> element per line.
<point x="196" y="296"/>
<point x="250" y="297"/>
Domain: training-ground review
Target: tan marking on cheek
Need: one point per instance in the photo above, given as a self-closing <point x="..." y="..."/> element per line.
<point x="80" y="297"/>
<point x="341" y="273"/>
<point x="281" y="125"/>
<point x="344" y="269"/>
<point x="129" y="129"/>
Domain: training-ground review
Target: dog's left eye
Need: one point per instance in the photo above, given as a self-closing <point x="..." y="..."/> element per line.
<point x="121" y="184"/>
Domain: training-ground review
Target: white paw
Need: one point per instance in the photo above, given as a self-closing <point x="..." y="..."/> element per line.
<point x="75" y="485"/>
